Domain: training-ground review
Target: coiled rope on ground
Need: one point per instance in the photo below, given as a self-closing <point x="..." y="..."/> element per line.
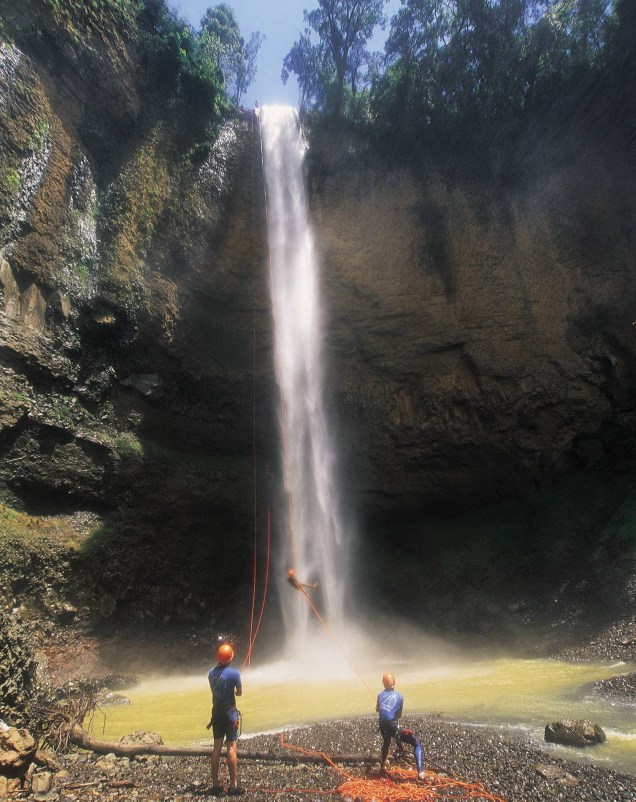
<point x="400" y="785"/>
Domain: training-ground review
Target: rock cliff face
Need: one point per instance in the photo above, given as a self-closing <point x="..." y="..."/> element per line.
<point x="483" y="334"/>
<point x="484" y="346"/>
<point x="128" y="319"/>
<point x="480" y="334"/>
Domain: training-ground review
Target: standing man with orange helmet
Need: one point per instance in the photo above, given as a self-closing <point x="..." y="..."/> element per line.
<point x="225" y="684"/>
<point x="389" y="706"/>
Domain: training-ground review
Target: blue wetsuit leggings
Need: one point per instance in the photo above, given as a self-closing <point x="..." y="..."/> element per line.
<point x="404" y="736"/>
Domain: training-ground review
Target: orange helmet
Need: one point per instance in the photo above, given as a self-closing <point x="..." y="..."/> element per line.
<point x="225" y="654"/>
<point x="388" y="680"/>
<point x="291" y="573"/>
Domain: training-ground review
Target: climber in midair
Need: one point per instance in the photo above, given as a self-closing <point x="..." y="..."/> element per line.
<point x="296" y="583"/>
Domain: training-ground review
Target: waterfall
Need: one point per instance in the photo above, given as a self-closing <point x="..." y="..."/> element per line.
<point x="316" y="545"/>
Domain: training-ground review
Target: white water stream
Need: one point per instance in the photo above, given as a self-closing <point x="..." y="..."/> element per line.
<point x="315" y="545"/>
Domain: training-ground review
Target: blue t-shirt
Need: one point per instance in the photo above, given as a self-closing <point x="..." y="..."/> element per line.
<point x="390" y="703"/>
<point x="224" y="681"/>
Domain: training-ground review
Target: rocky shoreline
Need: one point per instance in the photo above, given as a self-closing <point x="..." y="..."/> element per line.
<point x="503" y="761"/>
<point x="507" y="762"/>
<point x="614" y="641"/>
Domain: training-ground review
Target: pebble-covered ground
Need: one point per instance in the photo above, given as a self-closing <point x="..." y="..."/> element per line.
<point x="506" y="764"/>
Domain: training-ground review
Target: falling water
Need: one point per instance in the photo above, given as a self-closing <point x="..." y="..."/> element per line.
<point x="316" y="545"/>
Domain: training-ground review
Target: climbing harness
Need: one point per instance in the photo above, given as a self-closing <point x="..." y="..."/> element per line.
<point x="239" y="723"/>
<point x="398" y="746"/>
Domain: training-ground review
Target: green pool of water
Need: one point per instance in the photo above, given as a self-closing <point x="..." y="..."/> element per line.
<point x="524" y="694"/>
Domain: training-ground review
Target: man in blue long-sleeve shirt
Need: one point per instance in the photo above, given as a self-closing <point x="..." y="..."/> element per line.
<point x="389" y="707"/>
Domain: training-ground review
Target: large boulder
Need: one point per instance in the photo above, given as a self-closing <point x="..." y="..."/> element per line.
<point x="17" y="752"/>
<point x="569" y="732"/>
<point x="141" y="737"/>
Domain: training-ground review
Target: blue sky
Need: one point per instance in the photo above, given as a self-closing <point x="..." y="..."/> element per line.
<point x="281" y="21"/>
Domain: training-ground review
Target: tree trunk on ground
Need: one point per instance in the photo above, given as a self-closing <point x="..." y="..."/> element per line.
<point x="82" y="739"/>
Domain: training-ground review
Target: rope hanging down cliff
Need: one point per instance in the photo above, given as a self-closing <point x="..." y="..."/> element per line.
<point x="254" y="630"/>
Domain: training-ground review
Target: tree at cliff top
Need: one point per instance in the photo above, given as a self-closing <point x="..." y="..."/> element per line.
<point x="235" y="58"/>
<point x="343" y="27"/>
<point x="313" y="69"/>
<point x="476" y="68"/>
<point x="175" y="54"/>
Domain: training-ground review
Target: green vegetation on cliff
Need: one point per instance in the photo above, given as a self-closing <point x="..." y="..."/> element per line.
<point x="36" y="553"/>
<point x="168" y="47"/>
<point x="135" y="204"/>
<point x="167" y="54"/>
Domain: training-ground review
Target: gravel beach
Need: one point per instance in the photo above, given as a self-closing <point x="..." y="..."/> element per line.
<point x="507" y="765"/>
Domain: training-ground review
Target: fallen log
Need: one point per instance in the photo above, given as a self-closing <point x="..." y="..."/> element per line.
<point x="81" y="738"/>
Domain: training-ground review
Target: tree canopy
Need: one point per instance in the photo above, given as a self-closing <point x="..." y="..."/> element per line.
<point x="486" y="62"/>
<point x="472" y="66"/>
<point x="343" y="28"/>
<point x="235" y="58"/>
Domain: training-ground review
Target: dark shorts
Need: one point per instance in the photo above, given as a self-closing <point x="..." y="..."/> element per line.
<point x="225" y="724"/>
<point x="388" y="729"/>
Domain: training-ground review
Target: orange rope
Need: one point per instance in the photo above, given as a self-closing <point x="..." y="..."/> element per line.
<point x="304" y="751"/>
<point x="260" y="616"/>
<point x="332" y="637"/>
<point x="401" y="785"/>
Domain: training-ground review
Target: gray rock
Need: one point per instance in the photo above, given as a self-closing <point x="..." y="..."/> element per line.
<point x="41" y="782"/>
<point x="570" y="732"/>
<point x="551" y="772"/>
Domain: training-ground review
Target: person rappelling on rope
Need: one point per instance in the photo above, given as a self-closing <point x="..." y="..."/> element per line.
<point x="389" y="706"/>
<point x="296" y="583"/>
